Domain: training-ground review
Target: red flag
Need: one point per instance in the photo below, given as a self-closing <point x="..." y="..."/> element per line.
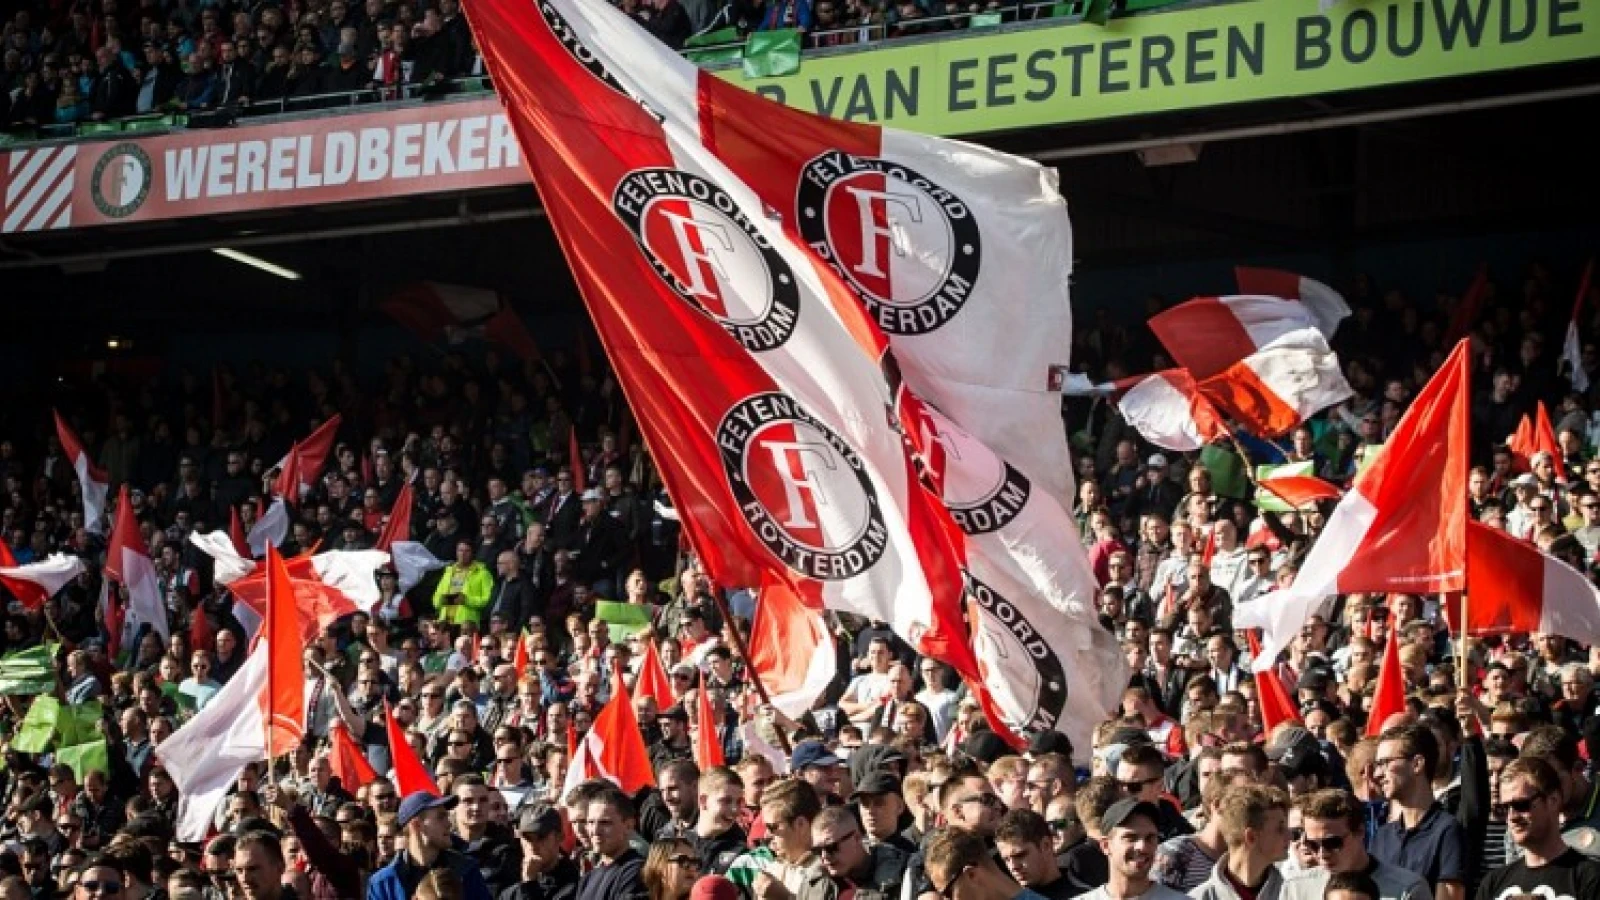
<point x="1516" y="587"/>
<point x="347" y="761"/>
<point x="580" y="478"/>
<point x="1300" y="491"/>
<point x="1471" y="303"/>
<point x="128" y="563"/>
<point x="707" y="743"/>
<point x="615" y="745"/>
<point x="519" y="660"/>
<point x="410" y="775"/>
<point x="320" y="604"/>
<point x="1390" y="697"/>
<point x="1544" y="439"/>
<point x="1209" y="551"/>
<point x="653" y="681"/>
<point x="1402" y="527"/>
<point x="27" y="592"/>
<point x="241" y="544"/>
<point x="572" y="742"/>
<point x="1271" y="695"/>
<point x="298" y="471"/>
<point x="1521" y="443"/>
<point x="284" y="701"/>
<point x="790" y="649"/>
<point x="398" y="527"/>
<point x="201" y="631"/>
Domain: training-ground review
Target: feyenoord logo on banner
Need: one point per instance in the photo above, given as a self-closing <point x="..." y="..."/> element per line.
<point x="710" y="254"/>
<point x="908" y="247"/>
<point x="801" y="488"/>
<point x="1033" y="677"/>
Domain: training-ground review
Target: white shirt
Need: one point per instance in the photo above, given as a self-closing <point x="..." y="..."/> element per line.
<point x="942" y="706"/>
<point x="1157" y="891"/>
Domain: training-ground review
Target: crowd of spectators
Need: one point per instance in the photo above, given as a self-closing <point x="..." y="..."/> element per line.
<point x="98" y="60"/>
<point x="892" y="786"/>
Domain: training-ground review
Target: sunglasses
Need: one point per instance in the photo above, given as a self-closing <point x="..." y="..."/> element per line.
<point x="1060" y="826"/>
<point x="834" y="847"/>
<point x="1522" y="805"/>
<point x="109" y="888"/>
<point x="1331" y="844"/>
<point x="688" y="862"/>
<point x="1134" y="787"/>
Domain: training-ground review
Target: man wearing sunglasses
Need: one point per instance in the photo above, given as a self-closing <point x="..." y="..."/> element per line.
<point x="961" y="867"/>
<point x="846" y="867"/>
<point x="1420" y="835"/>
<point x="1530" y="794"/>
<point x="1334" y="823"/>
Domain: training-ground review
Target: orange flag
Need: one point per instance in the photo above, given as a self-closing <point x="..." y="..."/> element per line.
<point x="284" y="703"/>
<point x="1271" y="695"/>
<point x="410" y="775"/>
<point x="653" y="680"/>
<point x="614" y="744"/>
<point x="1390" y="697"/>
<point x="347" y="760"/>
<point x="707" y="745"/>
<point x="580" y="478"/>
<point x="398" y="527"/>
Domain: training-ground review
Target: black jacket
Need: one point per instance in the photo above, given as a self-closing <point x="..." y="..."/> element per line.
<point x="622" y="880"/>
<point x="560" y="883"/>
<point x="115" y="92"/>
<point x="513" y="598"/>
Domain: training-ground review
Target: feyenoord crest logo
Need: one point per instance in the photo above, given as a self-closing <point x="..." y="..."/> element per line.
<point x="982" y="491"/>
<point x="907" y="246"/>
<point x="121" y="181"/>
<point x="1033" y="676"/>
<point x="707" y="251"/>
<point x="801" y="488"/>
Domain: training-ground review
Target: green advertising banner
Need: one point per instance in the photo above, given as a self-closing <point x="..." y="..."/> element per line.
<point x="1185" y="59"/>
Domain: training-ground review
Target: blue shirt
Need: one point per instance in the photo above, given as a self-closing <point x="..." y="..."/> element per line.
<point x="1436" y="849"/>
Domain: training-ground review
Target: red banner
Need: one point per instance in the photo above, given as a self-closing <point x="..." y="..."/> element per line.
<point x="397" y="152"/>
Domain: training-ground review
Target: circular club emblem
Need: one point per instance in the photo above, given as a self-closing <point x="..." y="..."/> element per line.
<point x="982" y="491"/>
<point x="121" y="181"/>
<point x="908" y="247"/>
<point x="1031" y="684"/>
<point x="707" y="251"/>
<point x="801" y="488"/>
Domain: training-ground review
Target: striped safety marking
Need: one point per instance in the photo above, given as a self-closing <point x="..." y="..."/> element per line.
<point x="39" y="187"/>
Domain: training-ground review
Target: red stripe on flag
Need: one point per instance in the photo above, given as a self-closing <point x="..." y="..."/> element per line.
<point x="1267" y="282"/>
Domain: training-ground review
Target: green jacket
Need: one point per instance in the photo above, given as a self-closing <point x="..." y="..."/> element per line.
<point x="474" y="589"/>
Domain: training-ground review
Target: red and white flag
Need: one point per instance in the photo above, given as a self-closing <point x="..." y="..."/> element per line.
<point x="1300" y="491"/>
<point x="298" y="470"/>
<point x="92" y="480"/>
<point x="35" y="583"/>
<point x="1402" y="527"/>
<point x="328" y="587"/>
<point x="1327" y="306"/>
<point x="206" y="755"/>
<point x="1514" y="586"/>
<point x="271" y="529"/>
<point x="128" y="563"/>
<point x="1280" y="385"/>
<point x="614" y="747"/>
<point x="1572" y="347"/>
<point x="1207" y="335"/>
<point x="751" y="360"/>
<point x="790" y="649"/>
<point x="1166" y="408"/>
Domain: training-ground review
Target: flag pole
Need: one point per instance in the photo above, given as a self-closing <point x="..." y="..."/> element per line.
<point x="744" y="654"/>
<point x="1462" y="663"/>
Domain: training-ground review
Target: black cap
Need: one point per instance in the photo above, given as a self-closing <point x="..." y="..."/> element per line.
<point x="984" y="746"/>
<point x="1125" y="809"/>
<point x="876" y="782"/>
<point x="1297" y="752"/>
<point x="539" y="820"/>
<point x="675" y="711"/>
<point x="1050" y="742"/>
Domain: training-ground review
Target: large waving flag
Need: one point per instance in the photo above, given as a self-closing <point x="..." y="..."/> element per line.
<point x="93" y="480"/>
<point x="128" y="563"/>
<point x="1166" y="408"/>
<point x="206" y="755"/>
<point x="1402" y="527"/>
<point x="804" y="276"/>
<point x="298" y="471"/>
<point x="1208" y="334"/>
<point x="1280" y="385"/>
<point x="1328" y="307"/>
<point x="328" y="587"/>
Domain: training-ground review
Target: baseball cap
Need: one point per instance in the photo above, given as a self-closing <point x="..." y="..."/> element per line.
<point x="591" y="494"/>
<point x="812" y="753"/>
<point x="1297" y="752"/>
<point x="1049" y="742"/>
<point x="1156" y="461"/>
<point x="675" y="711"/>
<point x="539" y="820"/>
<point x="714" y="887"/>
<point x="876" y="782"/>
<point x="1125" y="809"/>
<point x="1526" y="479"/>
<point x="985" y="746"/>
<point x="418" y="802"/>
